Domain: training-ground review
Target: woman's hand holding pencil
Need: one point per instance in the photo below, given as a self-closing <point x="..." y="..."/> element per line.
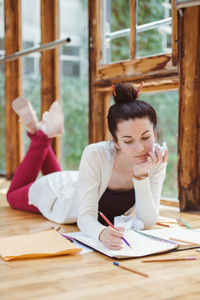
<point x="112" y="237"/>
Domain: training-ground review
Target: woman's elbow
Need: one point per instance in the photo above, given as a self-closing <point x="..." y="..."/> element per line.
<point x="150" y="222"/>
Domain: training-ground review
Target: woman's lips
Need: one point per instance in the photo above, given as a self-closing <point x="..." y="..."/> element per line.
<point x="141" y="156"/>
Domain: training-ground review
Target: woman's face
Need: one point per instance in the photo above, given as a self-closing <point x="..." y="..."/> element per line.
<point x="135" y="138"/>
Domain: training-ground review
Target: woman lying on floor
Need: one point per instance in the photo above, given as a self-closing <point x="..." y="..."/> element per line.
<point x="114" y="177"/>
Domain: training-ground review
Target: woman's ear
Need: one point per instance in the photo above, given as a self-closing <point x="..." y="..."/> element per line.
<point x="115" y="141"/>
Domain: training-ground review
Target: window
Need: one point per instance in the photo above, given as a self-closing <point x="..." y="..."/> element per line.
<point x="74" y="80"/>
<point x="71" y="61"/>
<point x="115" y="30"/>
<point x="28" y="61"/>
<point x="153" y="29"/>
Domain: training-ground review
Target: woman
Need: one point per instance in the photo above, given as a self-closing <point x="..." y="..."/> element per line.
<point x="114" y="177"/>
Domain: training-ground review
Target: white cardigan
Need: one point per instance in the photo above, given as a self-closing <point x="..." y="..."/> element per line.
<point x="70" y="196"/>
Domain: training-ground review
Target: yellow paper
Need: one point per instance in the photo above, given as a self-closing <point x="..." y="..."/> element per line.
<point x="39" y="244"/>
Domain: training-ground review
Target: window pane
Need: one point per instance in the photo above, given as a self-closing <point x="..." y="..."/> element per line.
<point x="166" y="106"/>
<point x="120" y="48"/>
<point x="74" y="80"/>
<point x="154" y="40"/>
<point x="115" y="41"/>
<point x="2" y="95"/>
<point x="31" y="63"/>
<point x="119" y="14"/>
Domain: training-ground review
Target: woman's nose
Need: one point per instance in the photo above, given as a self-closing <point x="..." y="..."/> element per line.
<point x="139" y="147"/>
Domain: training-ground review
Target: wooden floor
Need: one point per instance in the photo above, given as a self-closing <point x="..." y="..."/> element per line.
<point x="92" y="276"/>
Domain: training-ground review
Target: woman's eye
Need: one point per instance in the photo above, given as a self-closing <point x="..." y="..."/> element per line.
<point x="127" y="142"/>
<point x="146" y="137"/>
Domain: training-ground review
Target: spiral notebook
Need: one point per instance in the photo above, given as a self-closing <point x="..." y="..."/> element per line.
<point x="142" y="244"/>
<point x="186" y="238"/>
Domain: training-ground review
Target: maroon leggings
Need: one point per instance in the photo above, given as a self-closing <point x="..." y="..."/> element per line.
<point x="39" y="157"/>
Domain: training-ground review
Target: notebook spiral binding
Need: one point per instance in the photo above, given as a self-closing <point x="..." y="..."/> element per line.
<point x="157" y="239"/>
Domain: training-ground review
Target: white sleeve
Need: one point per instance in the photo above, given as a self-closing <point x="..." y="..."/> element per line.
<point x="147" y="196"/>
<point x="89" y="183"/>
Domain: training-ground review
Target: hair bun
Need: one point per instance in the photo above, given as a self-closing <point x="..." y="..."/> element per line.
<point x="124" y="93"/>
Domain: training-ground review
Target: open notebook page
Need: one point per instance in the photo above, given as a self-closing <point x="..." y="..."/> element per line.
<point x="141" y="245"/>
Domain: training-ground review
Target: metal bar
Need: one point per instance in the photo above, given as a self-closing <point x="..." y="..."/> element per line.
<point x="140" y="28"/>
<point x="117" y="34"/>
<point x="41" y="48"/>
<point x="184" y="4"/>
<point x="153" y="25"/>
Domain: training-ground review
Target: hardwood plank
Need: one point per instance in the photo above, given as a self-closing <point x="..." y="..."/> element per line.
<point x="133" y="17"/>
<point x="189" y="110"/>
<point x="170" y="202"/>
<point x="13" y="85"/>
<point x="107" y="100"/>
<point x="97" y="115"/>
<point x="138" y="67"/>
<point x="50" y="76"/>
<point x="92" y="275"/>
<point x="152" y="83"/>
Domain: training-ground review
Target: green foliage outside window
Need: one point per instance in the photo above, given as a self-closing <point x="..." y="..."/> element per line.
<point x="120" y="19"/>
<point x="149" y="42"/>
<point x="75" y="108"/>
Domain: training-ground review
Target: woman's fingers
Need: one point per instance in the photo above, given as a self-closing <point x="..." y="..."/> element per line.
<point x="113" y="247"/>
<point x="153" y="156"/>
<point x="165" y="156"/>
<point x="159" y="156"/>
<point x="112" y="238"/>
<point x="120" y="229"/>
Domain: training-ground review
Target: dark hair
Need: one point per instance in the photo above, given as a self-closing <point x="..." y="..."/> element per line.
<point x="127" y="106"/>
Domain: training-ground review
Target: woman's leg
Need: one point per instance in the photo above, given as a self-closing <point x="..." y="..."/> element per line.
<point x="50" y="164"/>
<point x="27" y="172"/>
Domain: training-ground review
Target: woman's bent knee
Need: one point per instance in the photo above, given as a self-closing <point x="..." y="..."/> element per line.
<point x="10" y="199"/>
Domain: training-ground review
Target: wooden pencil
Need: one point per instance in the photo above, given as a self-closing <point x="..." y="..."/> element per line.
<point x="130" y="269"/>
<point x="58" y="228"/>
<point x="183" y="241"/>
<point x="162" y="224"/>
<point x="169" y="259"/>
